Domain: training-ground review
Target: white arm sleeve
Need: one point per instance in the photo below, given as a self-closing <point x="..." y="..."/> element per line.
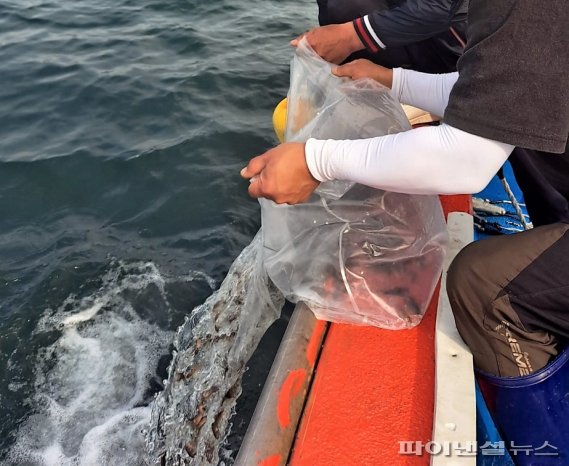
<point x="429" y="160"/>
<point x="429" y="92"/>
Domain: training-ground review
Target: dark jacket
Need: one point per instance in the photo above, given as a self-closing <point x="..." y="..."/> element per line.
<point x="409" y="33"/>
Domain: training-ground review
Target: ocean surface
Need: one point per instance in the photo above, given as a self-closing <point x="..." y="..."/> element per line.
<point x="123" y="127"/>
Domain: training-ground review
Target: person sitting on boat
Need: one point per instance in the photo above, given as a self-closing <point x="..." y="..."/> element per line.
<point x="424" y="35"/>
<point x="509" y="294"/>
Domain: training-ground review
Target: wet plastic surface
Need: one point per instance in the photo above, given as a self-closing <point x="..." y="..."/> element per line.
<point x="354" y="254"/>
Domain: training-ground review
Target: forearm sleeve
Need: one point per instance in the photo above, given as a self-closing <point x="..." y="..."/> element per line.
<point x="429" y="160"/>
<point x="429" y="92"/>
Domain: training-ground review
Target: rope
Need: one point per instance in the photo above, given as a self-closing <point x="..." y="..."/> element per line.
<point x="513" y="199"/>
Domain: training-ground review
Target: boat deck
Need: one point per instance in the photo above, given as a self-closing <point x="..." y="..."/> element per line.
<point x="372" y="389"/>
<point x="351" y="395"/>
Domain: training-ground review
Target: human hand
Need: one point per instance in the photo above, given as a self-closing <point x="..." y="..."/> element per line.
<point x="362" y="68"/>
<point x="281" y="174"/>
<point x="334" y="43"/>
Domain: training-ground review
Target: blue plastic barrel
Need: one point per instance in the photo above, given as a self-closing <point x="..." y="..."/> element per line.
<point x="532" y="413"/>
<point x="488" y="437"/>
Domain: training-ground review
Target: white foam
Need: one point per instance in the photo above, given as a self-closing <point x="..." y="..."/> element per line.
<point x="85" y="315"/>
<point x="88" y="406"/>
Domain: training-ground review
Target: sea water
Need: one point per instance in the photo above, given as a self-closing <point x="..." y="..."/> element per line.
<point x="123" y="129"/>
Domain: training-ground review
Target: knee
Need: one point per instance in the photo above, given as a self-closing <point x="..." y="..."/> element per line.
<point x="466" y="283"/>
<point x="462" y="271"/>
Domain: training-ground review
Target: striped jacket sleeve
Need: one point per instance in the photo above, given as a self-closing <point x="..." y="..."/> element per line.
<point x="408" y="21"/>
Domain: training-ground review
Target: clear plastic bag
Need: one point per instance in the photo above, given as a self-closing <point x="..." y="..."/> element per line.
<point x="323" y="106"/>
<point x="354" y="254"/>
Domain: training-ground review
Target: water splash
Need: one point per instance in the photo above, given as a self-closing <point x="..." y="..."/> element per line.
<point x="93" y="383"/>
<point x="190" y="418"/>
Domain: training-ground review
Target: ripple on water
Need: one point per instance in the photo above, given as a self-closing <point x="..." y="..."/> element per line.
<point x="124" y="125"/>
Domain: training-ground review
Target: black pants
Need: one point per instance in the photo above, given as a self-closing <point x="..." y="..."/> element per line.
<point x="510" y="295"/>
<point x="510" y="299"/>
<point x="438" y="54"/>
